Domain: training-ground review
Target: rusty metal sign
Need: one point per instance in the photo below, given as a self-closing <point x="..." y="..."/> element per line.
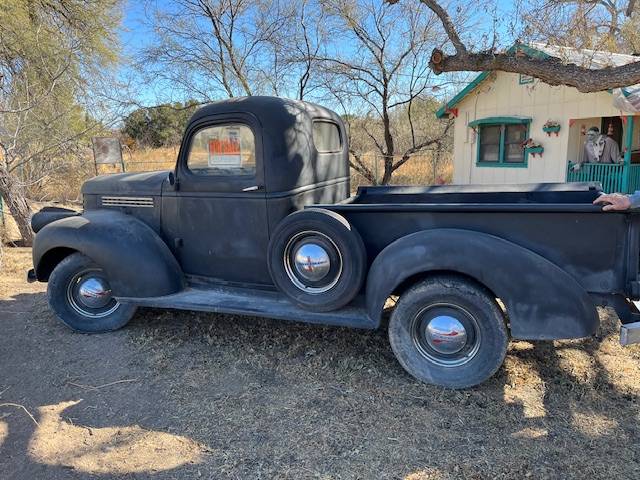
<point x="107" y="150"/>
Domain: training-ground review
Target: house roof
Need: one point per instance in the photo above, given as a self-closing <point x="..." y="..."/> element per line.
<point x="594" y="59"/>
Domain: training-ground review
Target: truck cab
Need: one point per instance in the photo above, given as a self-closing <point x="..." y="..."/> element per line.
<point x="244" y="164"/>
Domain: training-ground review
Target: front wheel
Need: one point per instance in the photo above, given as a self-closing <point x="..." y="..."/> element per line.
<point x="447" y="331"/>
<point x="80" y="295"/>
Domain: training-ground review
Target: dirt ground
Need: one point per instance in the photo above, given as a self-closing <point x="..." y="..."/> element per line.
<point x="188" y="395"/>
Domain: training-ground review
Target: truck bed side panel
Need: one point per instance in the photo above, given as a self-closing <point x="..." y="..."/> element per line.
<point x="591" y="247"/>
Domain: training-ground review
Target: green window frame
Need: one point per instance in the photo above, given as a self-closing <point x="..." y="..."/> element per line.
<point x="495" y="138"/>
<point x="525" y="79"/>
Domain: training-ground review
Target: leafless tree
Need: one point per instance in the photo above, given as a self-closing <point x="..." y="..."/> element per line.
<point x="235" y="47"/>
<point x="610" y="25"/>
<point x="380" y="78"/>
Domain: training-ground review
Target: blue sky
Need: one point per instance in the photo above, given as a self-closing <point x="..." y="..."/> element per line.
<point x="136" y="33"/>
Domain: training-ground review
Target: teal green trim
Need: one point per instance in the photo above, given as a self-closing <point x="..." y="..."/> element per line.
<point x="628" y="140"/>
<point x="478" y="147"/>
<point x="501" y="146"/>
<point x="612" y="176"/>
<point x="628" y="144"/>
<point x="535" y="150"/>
<point x="501" y="162"/>
<point x="525" y="79"/>
<point x="442" y="111"/>
<point x="500" y="121"/>
<point x="501" y="165"/>
<point x="531" y="52"/>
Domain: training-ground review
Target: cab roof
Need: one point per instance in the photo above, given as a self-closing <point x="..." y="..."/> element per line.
<point x="289" y="155"/>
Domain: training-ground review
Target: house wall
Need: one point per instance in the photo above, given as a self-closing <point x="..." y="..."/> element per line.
<point x="502" y="95"/>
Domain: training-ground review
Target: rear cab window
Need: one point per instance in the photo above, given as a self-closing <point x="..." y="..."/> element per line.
<point x="326" y="137"/>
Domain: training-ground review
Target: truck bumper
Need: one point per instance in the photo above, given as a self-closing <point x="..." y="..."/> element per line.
<point x="630" y="333"/>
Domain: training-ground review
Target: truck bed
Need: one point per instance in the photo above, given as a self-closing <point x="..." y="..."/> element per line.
<point x="557" y="221"/>
<point x="542" y="195"/>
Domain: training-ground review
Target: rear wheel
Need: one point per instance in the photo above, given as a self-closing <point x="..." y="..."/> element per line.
<point x="80" y="295"/>
<point x="448" y="331"/>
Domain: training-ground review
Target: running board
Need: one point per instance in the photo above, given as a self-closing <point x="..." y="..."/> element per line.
<point x="258" y="303"/>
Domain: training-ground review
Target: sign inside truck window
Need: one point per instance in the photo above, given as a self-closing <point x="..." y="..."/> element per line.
<point x="224" y="147"/>
<point x="223" y="150"/>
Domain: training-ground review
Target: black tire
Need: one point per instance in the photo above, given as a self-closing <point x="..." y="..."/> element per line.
<point x="344" y="250"/>
<point x="64" y="297"/>
<point x="427" y="353"/>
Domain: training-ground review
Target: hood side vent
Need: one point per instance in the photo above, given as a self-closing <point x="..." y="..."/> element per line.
<point x="143" y="202"/>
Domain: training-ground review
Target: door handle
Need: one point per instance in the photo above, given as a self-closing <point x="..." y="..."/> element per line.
<point x="252" y="189"/>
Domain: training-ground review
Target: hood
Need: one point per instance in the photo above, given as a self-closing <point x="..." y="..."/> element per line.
<point x="146" y="183"/>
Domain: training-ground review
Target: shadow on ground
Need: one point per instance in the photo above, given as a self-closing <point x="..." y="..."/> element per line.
<point x="182" y="394"/>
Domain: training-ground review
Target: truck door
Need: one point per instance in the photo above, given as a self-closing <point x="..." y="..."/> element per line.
<point x="221" y="204"/>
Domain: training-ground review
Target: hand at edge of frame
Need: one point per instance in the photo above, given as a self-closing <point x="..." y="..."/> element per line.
<point x="613" y="201"/>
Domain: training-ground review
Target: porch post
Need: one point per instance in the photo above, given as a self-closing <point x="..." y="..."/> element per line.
<point x="628" y="143"/>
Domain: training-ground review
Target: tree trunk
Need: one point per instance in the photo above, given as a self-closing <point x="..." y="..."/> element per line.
<point x="12" y="193"/>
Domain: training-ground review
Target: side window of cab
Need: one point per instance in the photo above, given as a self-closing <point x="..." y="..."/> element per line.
<point x="227" y="149"/>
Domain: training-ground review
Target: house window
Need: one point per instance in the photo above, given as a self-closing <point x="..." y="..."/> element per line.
<point x="501" y="145"/>
<point x="490" y="143"/>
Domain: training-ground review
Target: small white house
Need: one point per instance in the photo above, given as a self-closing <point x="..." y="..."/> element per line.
<point x="498" y="112"/>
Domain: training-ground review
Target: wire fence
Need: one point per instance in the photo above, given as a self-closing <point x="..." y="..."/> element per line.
<point x="64" y="186"/>
<point x="420" y="169"/>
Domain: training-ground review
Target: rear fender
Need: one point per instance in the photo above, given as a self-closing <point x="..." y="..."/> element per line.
<point x="136" y="260"/>
<point x="542" y="300"/>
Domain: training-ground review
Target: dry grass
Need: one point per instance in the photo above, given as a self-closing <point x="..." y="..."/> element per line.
<point x="417" y="171"/>
<point x="9" y="230"/>
<point x="269" y="399"/>
<point x="151" y="159"/>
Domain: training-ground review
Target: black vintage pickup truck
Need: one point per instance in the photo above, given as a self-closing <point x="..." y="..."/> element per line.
<point x="257" y="218"/>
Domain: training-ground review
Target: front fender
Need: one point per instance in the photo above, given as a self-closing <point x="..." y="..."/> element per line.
<point x="136" y="260"/>
<point x="542" y="300"/>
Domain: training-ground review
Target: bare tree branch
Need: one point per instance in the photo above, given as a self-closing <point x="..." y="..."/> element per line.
<point x="550" y="70"/>
<point x="553" y="71"/>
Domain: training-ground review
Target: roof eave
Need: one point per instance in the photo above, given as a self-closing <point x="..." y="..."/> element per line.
<point x="442" y="111"/>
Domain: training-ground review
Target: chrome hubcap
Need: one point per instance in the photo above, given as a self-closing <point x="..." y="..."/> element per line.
<point x="312" y="262"/>
<point x="446" y="334"/>
<point x="94" y="292"/>
<point x="89" y="294"/>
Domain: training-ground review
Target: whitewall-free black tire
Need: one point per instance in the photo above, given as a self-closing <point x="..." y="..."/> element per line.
<point x="80" y="296"/>
<point x="448" y="331"/>
<point x="317" y="259"/>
